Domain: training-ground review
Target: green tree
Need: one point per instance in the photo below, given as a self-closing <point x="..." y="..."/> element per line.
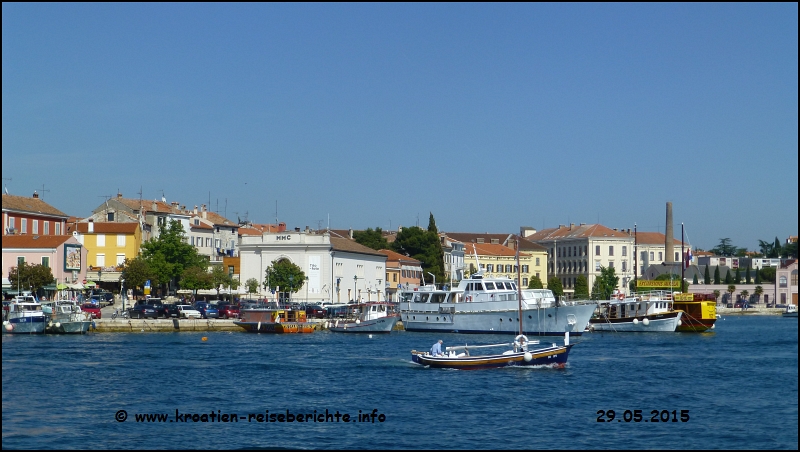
<point x="789" y="250"/>
<point x="136" y="272"/>
<point x="554" y="284"/>
<point x="605" y="284"/>
<point x="767" y="248"/>
<point x="725" y="248"/>
<point x="169" y="254"/>
<point x="219" y="278"/>
<point x="738" y="278"/>
<point x="251" y="285"/>
<point x="716" y="294"/>
<point x="706" y="276"/>
<point x="728" y="277"/>
<point x="423" y="246"/>
<point x="195" y="278"/>
<point x="758" y="276"/>
<point x="30" y="277"/>
<point x="536" y="283"/>
<point x="581" y="288"/>
<point x="747" y="275"/>
<point x="285" y="276"/>
<point x="767" y="274"/>
<point x="694" y="280"/>
<point x="758" y="292"/>
<point x="716" y="274"/>
<point x="745" y="293"/>
<point x="731" y="290"/>
<point x="371" y="239"/>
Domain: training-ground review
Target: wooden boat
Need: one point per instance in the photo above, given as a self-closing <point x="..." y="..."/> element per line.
<point x="699" y="311"/>
<point x="639" y="312"/>
<point x="521" y="352"/>
<point x="272" y="319"/>
<point x="377" y="317"/>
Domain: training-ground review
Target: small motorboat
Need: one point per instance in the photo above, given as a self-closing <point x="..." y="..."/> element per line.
<point x="377" y="317"/>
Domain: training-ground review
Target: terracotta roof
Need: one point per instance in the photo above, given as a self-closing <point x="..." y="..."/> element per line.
<point x="200" y="225"/>
<point x="525" y="244"/>
<point x="654" y="238"/>
<point x="576" y="231"/>
<point x="34" y="241"/>
<point x="217" y="219"/>
<point x="109" y="228"/>
<point x="31" y="205"/>
<point x="244" y="230"/>
<point x="490" y="249"/>
<point x="339" y="244"/>
<point x="393" y="256"/>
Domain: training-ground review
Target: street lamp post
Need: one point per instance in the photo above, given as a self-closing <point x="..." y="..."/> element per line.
<point x="291" y="287"/>
<point x="355" y="286"/>
<point x="306" y="289"/>
<point x="122" y="292"/>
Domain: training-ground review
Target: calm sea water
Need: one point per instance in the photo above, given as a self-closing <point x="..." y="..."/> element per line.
<point x="738" y="383"/>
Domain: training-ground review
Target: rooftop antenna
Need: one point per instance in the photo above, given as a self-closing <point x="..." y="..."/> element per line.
<point x="276" y="212"/>
<point x="8" y="179"/>
<point x="43" y="190"/>
<point x="163" y="198"/>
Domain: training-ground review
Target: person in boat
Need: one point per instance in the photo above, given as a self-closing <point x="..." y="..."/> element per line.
<point x="436" y="350"/>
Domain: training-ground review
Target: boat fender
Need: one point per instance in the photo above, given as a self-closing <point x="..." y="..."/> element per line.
<point x="9" y="327"/>
<point x="358" y="321"/>
<point x="58" y="324"/>
<point x="680" y="322"/>
<point x="527" y="357"/>
<point x="635" y="321"/>
<point x="646" y="321"/>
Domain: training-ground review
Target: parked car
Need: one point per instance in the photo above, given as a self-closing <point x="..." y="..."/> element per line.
<point x="93" y="309"/>
<point x="187" y="311"/>
<point x="207" y="310"/>
<point x="158" y="305"/>
<point x="172" y="310"/>
<point x="228" y="311"/>
<point x="143" y="311"/>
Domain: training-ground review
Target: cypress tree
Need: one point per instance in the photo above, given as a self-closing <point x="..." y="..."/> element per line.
<point x="738" y="278"/>
<point x="694" y="280"/>
<point x="728" y="277"/>
<point x="716" y="274"/>
<point x="758" y="277"/>
<point x="706" y="277"/>
<point x="747" y="277"/>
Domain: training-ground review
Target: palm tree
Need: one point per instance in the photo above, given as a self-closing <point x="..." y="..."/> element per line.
<point x="716" y="294"/>
<point x="745" y="293"/>
<point x="758" y="292"/>
<point x="731" y="290"/>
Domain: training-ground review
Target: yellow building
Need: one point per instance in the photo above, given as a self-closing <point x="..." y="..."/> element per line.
<point x="107" y="246"/>
<point x="498" y="260"/>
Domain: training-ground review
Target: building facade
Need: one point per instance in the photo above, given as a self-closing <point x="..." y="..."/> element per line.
<point x="786" y="283"/>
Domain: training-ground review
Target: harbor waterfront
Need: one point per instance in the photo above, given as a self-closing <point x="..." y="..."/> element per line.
<point x="737" y="383"/>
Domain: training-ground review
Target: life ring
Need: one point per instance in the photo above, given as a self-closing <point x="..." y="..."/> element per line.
<point x="521" y="339"/>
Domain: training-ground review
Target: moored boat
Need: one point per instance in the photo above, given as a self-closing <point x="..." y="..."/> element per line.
<point x="520" y="354"/>
<point x="639" y="312"/>
<point x="699" y="311"/>
<point x="65" y="317"/>
<point x="377" y="317"/>
<point x="791" y="311"/>
<point x="268" y="318"/>
<point x="24" y="316"/>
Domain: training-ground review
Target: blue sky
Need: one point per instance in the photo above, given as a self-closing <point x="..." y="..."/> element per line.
<point x="490" y="116"/>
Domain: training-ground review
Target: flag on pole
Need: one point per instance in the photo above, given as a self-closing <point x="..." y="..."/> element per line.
<point x="687" y="261"/>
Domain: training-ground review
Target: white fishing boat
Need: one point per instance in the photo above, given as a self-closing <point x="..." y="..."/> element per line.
<point x="65" y="317"/>
<point x="377" y="317"/>
<point x="646" y="312"/>
<point x="791" y="311"/>
<point x="24" y="316"/>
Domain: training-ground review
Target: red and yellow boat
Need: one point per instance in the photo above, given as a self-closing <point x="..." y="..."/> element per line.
<point x="699" y="311"/>
<point x="275" y="321"/>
